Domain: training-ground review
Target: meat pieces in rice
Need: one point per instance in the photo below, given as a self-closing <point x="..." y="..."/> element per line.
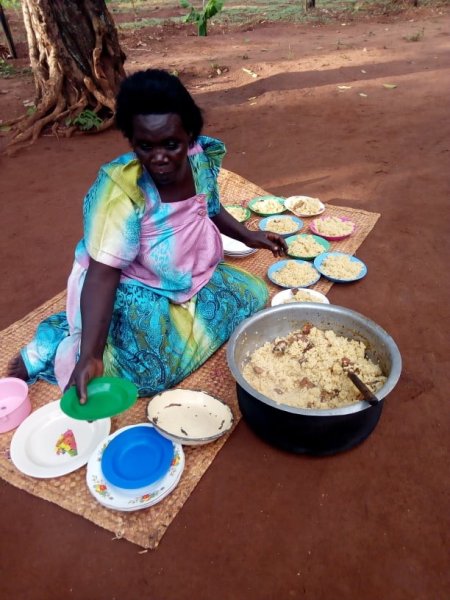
<point x="307" y="369"/>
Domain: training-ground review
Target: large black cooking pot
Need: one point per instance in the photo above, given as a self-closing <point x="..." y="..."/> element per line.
<point x="312" y="431"/>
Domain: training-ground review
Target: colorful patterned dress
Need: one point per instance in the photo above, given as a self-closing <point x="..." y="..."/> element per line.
<point x="176" y="302"/>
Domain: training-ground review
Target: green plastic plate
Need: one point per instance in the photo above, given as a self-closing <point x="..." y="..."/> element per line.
<point x="106" y="397"/>
<point x="279" y="201"/>
<point x="247" y="213"/>
<point x="320" y="240"/>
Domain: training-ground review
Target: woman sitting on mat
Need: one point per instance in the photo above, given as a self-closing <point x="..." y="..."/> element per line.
<point x="149" y="298"/>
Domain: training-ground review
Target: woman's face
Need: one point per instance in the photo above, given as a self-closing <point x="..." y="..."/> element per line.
<point x="161" y="144"/>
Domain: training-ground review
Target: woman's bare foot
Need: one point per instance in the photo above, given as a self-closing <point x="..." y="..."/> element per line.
<point x="17" y="368"/>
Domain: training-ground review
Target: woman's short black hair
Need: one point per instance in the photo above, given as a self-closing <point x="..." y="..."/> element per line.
<point x="156" y="91"/>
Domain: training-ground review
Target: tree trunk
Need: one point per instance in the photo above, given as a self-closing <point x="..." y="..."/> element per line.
<point x="77" y="65"/>
<point x="309" y="4"/>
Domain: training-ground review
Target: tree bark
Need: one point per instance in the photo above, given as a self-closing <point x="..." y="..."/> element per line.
<point x="77" y="64"/>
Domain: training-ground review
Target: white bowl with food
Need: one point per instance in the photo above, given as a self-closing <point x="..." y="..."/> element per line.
<point x="304" y="206"/>
<point x="299" y="295"/>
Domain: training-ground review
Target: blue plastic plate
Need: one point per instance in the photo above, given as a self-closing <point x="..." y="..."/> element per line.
<point x="281" y="263"/>
<point x="264" y="223"/>
<point x="319" y="260"/>
<point x="137" y="457"/>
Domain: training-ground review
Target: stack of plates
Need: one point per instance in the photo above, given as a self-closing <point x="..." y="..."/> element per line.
<point x="234" y="247"/>
<point x="134" y="468"/>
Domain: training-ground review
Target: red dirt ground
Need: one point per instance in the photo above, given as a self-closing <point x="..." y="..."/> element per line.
<point x="371" y="523"/>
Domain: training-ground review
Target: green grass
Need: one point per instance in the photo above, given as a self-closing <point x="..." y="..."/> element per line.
<point x="415" y="37"/>
<point x="11" y="4"/>
<point x="271" y="12"/>
<point x="241" y="12"/>
<point x="149" y="22"/>
<point x="7" y="70"/>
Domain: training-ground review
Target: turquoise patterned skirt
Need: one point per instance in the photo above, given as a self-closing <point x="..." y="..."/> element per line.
<point x="153" y="342"/>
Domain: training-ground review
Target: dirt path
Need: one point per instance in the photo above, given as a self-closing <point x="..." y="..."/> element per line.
<point x="317" y="119"/>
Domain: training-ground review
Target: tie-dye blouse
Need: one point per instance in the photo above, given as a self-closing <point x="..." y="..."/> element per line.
<point x="172" y="247"/>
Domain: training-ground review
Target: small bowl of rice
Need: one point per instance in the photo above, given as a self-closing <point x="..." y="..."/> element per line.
<point x="306" y="246"/>
<point x="240" y="213"/>
<point x="267" y="205"/>
<point x="283" y="224"/>
<point x="299" y="295"/>
<point x="304" y="206"/>
<point x="340" y="267"/>
<point x="333" y="228"/>
<point x="293" y="273"/>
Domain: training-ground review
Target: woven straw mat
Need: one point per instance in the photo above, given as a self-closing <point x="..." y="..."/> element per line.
<point x="146" y="527"/>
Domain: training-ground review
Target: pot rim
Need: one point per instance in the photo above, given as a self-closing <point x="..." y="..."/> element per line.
<point x="391" y="381"/>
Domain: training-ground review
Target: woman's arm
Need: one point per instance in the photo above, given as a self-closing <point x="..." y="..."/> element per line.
<point x="228" y="225"/>
<point x="97" y="302"/>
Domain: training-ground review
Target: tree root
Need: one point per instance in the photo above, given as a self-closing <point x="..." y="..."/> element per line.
<point x="29" y="127"/>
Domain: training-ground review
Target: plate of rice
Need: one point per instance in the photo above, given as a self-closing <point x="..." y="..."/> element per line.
<point x="306" y="246"/>
<point x="293" y="273"/>
<point x="340" y="267"/>
<point x="267" y="205"/>
<point x="283" y="224"/>
<point x="240" y="213"/>
<point x="299" y="295"/>
<point x="332" y="228"/>
<point x="304" y="206"/>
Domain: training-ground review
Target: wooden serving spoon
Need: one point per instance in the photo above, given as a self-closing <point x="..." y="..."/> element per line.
<point x="368" y="395"/>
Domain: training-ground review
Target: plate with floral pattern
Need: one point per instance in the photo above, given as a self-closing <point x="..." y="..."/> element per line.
<point x="116" y="499"/>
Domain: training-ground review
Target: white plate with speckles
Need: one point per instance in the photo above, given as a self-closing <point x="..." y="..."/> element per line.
<point x="189" y="417"/>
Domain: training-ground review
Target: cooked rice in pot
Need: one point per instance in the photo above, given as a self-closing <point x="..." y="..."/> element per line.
<point x="307" y="369"/>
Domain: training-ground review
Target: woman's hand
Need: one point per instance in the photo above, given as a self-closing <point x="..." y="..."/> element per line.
<point x="85" y="370"/>
<point x="97" y="303"/>
<point x="267" y="240"/>
<point x="255" y="239"/>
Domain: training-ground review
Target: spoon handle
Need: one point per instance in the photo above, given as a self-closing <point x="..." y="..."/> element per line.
<point x="369" y="396"/>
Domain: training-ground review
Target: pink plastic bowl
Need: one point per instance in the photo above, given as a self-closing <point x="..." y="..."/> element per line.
<point x="15" y="403"/>
<point x="334" y="238"/>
